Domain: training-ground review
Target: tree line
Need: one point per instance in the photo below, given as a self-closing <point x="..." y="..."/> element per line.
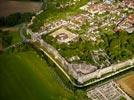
<point x="119" y="45"/>
<point x="5" y="38"/>
<point x="14" y="19"/>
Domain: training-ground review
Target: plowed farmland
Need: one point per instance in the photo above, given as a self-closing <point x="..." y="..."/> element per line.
<point x="127" y="84"/>
<point x="9" y="7"/>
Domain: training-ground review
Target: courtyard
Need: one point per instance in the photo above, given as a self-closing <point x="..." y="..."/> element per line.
<point x="63" y="35"/>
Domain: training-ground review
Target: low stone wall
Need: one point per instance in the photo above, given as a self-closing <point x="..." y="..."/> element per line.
<point x="112" y="68"/>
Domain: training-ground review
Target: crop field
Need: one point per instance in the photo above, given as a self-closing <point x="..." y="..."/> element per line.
<point x="9" y="7"/>
<point x="127" y="84"/>
<point x="24" y="76"/>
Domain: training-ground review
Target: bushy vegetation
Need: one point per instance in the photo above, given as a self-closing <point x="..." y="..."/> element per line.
<point x="5" y="38"/>
<point x="8" y="38"/>
<point x="123" y="98"/>
<point x="119" y="45"/>
<point x="15" y="19"/>
<point x="81" y="48"/>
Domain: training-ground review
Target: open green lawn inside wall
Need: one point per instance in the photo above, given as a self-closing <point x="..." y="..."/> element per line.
<point x="24" y="76"/>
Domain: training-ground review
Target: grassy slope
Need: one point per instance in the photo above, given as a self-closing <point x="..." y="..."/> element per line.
<point x="25" y="76"/>
<point x="16" y="37"/>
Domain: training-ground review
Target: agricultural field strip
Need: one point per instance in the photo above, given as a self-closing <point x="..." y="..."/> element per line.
<point x="31" y="77"/>
<point x="126" y="83"/>
<point x="9" y="7"/>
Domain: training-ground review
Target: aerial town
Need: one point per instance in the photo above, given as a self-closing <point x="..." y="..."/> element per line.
<point x="93" y="47"/>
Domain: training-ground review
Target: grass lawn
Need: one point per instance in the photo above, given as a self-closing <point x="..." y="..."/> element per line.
<point x="24" y="76"/>
<point x="16" y="37"/>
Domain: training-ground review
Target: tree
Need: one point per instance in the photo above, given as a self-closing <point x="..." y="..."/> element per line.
<point x="14" y="19"/>
<point x="5" y="38"/>
<point x="45" y="5"/>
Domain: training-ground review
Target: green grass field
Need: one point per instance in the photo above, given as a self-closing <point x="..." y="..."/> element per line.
<point x="16" y="37"/>
<point x="24" y="76"/>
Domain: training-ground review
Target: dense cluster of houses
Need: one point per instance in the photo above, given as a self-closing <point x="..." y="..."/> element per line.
<point x="99" y="8"/>
<point x="128" y="3"/>
<point x="127" y="24"/>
